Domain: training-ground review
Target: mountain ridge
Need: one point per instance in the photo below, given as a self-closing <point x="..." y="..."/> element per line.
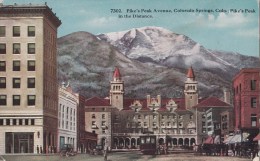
<point x="88" y="60"/>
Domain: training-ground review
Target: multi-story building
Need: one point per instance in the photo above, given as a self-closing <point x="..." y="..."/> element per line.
<point x="211" y="122"/>
<point x="86" y="139"/>
<point x="28" y="79"/>
<point x="98" y="120"/>
<point x="119" y="122"/>
<point x="67" y="117"/>
<point x="246" y="88"/>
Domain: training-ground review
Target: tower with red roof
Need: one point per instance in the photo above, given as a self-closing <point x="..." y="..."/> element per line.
<point x="191" y="90"/>
<point x="117" y="90"/>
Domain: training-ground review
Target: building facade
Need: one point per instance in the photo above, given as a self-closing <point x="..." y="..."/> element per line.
<point x="28" y="79"/>
<point x="67" y="117"/>
<point x="246" y="89"/>
<point x="119" y="122"/>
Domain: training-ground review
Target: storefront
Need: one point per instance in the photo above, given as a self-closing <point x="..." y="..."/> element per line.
<point x="17" y="142"/>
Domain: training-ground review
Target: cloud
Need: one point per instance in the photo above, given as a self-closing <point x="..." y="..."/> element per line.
<point x="223" y="20"/>
<point x="102" y="21"/>
<point x="248" y="33"/>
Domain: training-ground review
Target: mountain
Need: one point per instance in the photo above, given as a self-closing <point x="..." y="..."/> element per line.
<point x="161" y="46"/>
<point x="152" y="60"/>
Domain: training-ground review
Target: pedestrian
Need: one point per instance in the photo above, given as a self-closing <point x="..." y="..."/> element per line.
<point x="37" y="149"/>
<point x="105" y="153"/>
<point x="41" y="149"/>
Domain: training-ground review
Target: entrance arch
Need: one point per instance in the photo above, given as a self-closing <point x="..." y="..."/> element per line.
<point x="133" y="143"/>
<point x="161" y="141"/>
<point x="192" y="141"/>
<point x="180" y="141"/>
<point x="174" y="142"/>
<point x="127" y="142"/>
<point x="186" y="141"/>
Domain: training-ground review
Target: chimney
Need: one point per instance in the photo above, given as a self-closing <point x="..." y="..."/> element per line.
<point x="226" y="95"/>
<point x="159" y="100"/>
<point x="148" y="100"/>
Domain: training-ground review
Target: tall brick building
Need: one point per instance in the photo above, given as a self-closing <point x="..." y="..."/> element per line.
<point x="246" y="88"/>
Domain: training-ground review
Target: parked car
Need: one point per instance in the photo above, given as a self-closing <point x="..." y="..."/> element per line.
<point x="67" y="150"/>
<point x="98" y="150"/>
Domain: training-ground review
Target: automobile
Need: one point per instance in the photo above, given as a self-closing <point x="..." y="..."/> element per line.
<point x="67" y="150"/>
<point x="98" y="150"/>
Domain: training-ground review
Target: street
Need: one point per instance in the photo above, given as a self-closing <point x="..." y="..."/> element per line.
<point x="122" y="156"/>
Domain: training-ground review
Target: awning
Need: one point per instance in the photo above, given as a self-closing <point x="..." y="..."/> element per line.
<point x="228" y="139"/>
<point x="212" y="140"/>
<point x="209" y="140"/>
<point x="257" y="137"/>
<point x="235" y="139"/>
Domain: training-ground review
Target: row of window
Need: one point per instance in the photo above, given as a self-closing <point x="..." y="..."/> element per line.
<point x="155" y="117"/>
<point x="17" y="100"/>
<point x="17" y="82"/>
<point x="253" y="84"/>
<point x="94" y="116"/>
<point x="17" y="65"/>
<point x="4" y="122"/>
<point x="17" y="48"/>
<point x="17" y="31"/>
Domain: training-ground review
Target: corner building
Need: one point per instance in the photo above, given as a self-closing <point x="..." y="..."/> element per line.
<point x="28" y="79"/>
<point x="246" y="89"/>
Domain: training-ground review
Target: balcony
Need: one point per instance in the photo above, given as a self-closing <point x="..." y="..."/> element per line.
<point x="94" y="127"/>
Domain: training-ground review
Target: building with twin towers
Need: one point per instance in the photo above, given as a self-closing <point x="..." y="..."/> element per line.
<point x="119" y="121"/>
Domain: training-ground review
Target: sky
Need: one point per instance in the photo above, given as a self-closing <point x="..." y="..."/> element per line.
<point x="218" y="27"/>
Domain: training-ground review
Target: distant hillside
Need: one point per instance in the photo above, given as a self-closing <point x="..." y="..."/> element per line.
<point x="151" y="60"/>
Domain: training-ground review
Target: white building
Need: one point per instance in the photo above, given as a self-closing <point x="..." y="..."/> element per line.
<point x="67" y="116"/>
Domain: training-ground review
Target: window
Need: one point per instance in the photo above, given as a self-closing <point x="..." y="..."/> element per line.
<point x="253" y="120"/>
<point x="20" y="121"/>
<point x="2" y="82"/>
<point x="31" y="100"/>
<point x="32" y="122"/>
<point x="2" y="66"/>
<point x="16" y="31"/>
<point x="2" y="31"/>
<point x="16" y="65"/>
<point x="16" y="48"/>
<point x="16" y="100"/>
<point x="16" y="82"/>
<point x="103" y="116"/>
<point x="145" y="124"/>
<point x="14" y="121"/>
<point x="1" y="122"/>
<point x="31" y="65"/>
<point x="253" y="84"/>
<point x="2" y="49"/>
<point x="8" y="121"/>
<point x="253" y="102"/>
<point x="31" y="31"/>
<point x="2" y="99"/>
<point x="103" y="123"/>
<point x="26" y="121"/>
<point x="31" y="48"/>
<point x="31" y="83"/>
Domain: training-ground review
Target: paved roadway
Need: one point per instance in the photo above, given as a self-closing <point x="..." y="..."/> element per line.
<point x="122" y="156"/>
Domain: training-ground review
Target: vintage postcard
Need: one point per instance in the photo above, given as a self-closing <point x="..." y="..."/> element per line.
<point x="129" y="80"/>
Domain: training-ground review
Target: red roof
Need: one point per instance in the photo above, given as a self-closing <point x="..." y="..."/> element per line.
<point x="190" y="73"/>
<point x="95" y="101"/>
<point x="257" y="138"/>
<point x="117" y="73"/>
<point x="212" y="102"/>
